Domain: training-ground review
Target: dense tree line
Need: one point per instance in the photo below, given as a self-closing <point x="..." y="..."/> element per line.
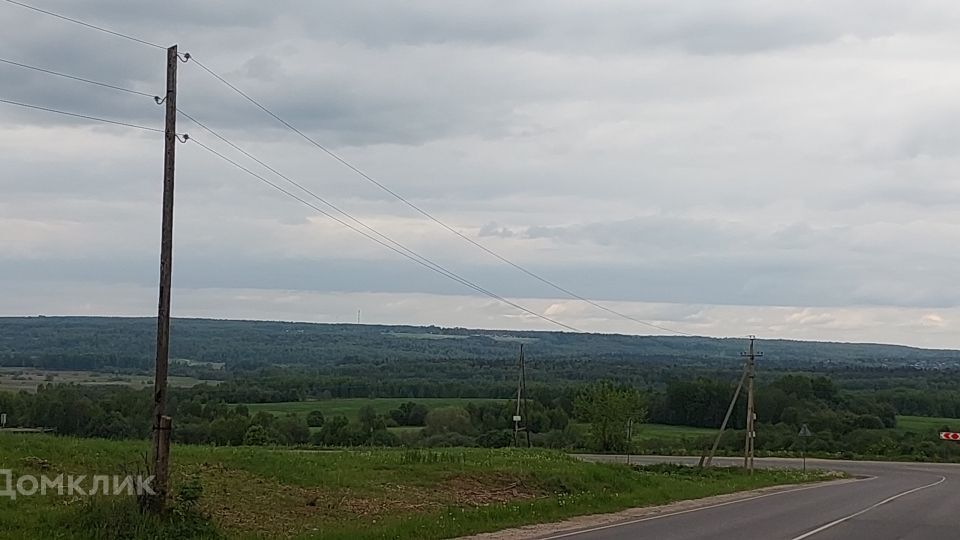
<point x="842" y="420"/>
<point x="122" y="343"/>
<point x="848" y="394"/>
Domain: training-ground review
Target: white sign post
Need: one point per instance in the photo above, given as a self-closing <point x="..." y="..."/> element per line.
<point x="805" y="434"/>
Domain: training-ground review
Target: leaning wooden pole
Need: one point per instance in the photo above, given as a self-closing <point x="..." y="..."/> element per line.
<point x="726" y="418"/>
<point x="161" y="422"/>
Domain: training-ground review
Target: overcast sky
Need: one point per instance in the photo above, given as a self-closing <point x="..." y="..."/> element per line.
<point x="785" y="169"/>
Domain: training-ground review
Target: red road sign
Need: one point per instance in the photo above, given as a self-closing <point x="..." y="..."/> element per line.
<point x="949" y="436"/>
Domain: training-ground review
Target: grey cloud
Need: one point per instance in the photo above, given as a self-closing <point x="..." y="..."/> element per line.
<point x="775" y="153"/>
<point x="493" y="229"/>
<point x="659" y="231"/>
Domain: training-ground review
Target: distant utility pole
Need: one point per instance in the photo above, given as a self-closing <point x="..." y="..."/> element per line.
<point x="358" y="316"/>
<point x="726" y="418"/>
<point x="521" y="413"/>
<point x="748" y="452"/>
<point x="161" y="422"/>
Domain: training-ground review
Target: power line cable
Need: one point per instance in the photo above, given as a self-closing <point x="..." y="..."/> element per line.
<point x="417" y="259"/>
<point x="75" y="78"/>
<point x="306" y="190"/>
<point x="84" y="116"/>
<point x="86" y="24"/>
<point x="360" y="172"/>
<point x="406" y="252"/>
<point x="427" y="214"/>
<point x="311" y="193"/>
<point x="412" y="256"/>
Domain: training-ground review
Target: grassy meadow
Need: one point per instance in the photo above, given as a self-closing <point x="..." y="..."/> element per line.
<point x="261" y="492"/>
<point x="923" y="424"/>
<point x="645" y="432"/>
<point x="350" y="407"/>
<point x="18" y="378"/>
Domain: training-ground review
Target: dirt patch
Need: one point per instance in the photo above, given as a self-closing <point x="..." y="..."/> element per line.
<point x="243" y="502"/>
<point x="486" y="490"/>
<point x="239" y="501"/>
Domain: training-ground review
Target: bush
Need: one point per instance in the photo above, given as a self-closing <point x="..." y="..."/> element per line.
<point x="447" y="440"/>
<point x="382" y="437"/>
<point x="561" y="439"/>
<point x="448" y="420"/>
<point x="256" y="435"/>
<point x="315" y="419"/>
<point x="495" y="439"/>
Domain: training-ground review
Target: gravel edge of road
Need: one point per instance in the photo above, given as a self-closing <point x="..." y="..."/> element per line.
<point x="542" y="530"/>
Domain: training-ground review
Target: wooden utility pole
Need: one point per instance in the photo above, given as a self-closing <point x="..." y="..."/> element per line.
<point x="161" y="422"/>
<point x="726" y="418"/>
<point x="751" y="436"/>
<point x="521" y="413"/>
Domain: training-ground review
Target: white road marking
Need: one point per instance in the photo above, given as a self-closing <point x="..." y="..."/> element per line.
<point x="718" y="505"/>
<point x="869" y="508"/>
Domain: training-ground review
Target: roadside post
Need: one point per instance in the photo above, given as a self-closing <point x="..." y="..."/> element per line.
<point x="805" y="434"/>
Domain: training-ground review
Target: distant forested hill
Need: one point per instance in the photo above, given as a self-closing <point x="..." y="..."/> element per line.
<point x="107" y="342"/>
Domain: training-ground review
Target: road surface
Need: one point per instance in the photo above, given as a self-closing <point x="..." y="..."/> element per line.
<point x="902" y="501"/>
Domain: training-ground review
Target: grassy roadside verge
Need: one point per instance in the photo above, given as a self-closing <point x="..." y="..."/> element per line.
<point x="257" y="492"/>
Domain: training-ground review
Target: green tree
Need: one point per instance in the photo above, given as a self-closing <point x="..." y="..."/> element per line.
<point x="315" y="418"/>
<point x="332" y="432"/>
<point x="369" y="420"/>
<point x="293" y="429"/>
<point x="608" y="409"/>
<point x="256" y="435"/>
<point x="448" y="420"/>
<point x="229" y="431"/>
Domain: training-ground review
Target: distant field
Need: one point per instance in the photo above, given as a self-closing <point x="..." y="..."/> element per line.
<point x="660" y="431"/>
<point x="349" y="407"/>
<point x="424" y="335"/>
<point x="14" y="379"/>
<point x="646" y="432"/>
<point x="434" y="336"/>
<point x="923" y="424"/>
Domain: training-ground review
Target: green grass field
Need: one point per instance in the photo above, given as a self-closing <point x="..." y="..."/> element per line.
<point x="349" y="407"/>
<point x="923" y="424"/>
<point x="273" y="493"/>
<point x="659" y="431"/>
<point x="16" y="379"/>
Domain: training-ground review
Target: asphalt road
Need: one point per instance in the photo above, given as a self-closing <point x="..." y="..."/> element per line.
<point x="892" y="501"/>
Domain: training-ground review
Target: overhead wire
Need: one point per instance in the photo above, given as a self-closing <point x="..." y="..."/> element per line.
<point x="86" y="24"/>
<point x="78" y="115"/>
<point x="415" y="258"/>
<point x="400" y="248"/>
<point x="300" y="186"/>
<point x="75" y="78"/>
<point x="427" y="214"/>
<point x="338" y="158"/>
